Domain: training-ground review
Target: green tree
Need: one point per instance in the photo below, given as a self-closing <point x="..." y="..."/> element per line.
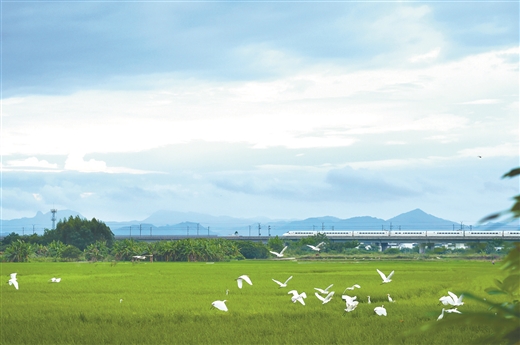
<point x="252" y="250"/>
<point x="79" y="232"/>
<point x="71" y="253"/>
<point x="275" y="244"/>
<point x="18" y="251"/>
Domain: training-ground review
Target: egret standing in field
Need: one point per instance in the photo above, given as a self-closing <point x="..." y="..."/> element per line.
<point x="55" y="280"/>
<point x="381" y="311"/>
<point x="317" y="247"/>
<point x="220" y="305"/>
<point x="243" y="278"/>
<point x="279" y="255"/>
<point x="13" y="281"/>
<point x="297" y="296"/>
<point x="369" y="300"/>
<point x="384" y="277"/>
<point x="282" y="285"/>
<point x="390" y="298"/>
<point x="325" y="299"/>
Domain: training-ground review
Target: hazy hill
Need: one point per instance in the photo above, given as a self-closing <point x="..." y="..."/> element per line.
<point x="180" y="223"/>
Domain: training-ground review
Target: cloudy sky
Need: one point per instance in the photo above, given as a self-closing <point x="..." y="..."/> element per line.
<point x="278" y="109"/>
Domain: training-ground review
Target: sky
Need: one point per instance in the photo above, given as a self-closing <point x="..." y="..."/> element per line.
<point x="279" y="109"/>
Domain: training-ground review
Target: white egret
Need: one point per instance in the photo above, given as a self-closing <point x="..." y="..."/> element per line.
<point x="279" y="255"/>
<point x="352" y="287"/>
<point x="13" y="281"/>
<point x="454" y="310"/>
<point x="55" y="280"/>
<point x="369" y="300"/>
<point x="140" y="257"/>
<point x="381" y="311"/>
<point x="282" y="285"/>
<point x="445" y="300"/>
<point x="243" y="278"/>
<point x="384" y="277"/>
<point x="317" y="247"/>
<point x="220" y="305"/>
<point x="456" y="300"/>
<point x="325" y="299"/>
<point x="227" y="291"/>
<point x="297" y="296"/>
<point x="390" y="298"/>
<point x="120" y="300"/>
<point x="324" y="291"/>
<point x="351" y="306"/>
<point x="348" y="299"/>
<point x="441" y="316"/>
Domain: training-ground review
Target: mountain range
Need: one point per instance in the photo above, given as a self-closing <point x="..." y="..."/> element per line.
<point x="190" y="223"/>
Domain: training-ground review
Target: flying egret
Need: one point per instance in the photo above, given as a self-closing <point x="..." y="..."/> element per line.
<point x="55" y="280"/>
<point x="220" y="305"/>
<point x="456" y="300"/>
<point x="279" y="255"/>
<point x="297" y="297"/>
<point x="454" y="310"/>
<point x="441" y="316"/>
<point x="352" y="287"/>
<point x="317" y="247"/>
<point x="351" y="306"/>
<point x="380" y="310"/>
<point x="348" y="299"/>
<point x="243" y="278"/>
<point x="390" y="298"/>
<point x="140" y="257"/>
<point x="325" y="299"/>
<point x="282" y="285"/>
<point x="445" y="300"/>
<point x="324" y="291"/>
<point x="13" y="281"/>
<point x="385" y="278"/>
<point x="369" y="300"/>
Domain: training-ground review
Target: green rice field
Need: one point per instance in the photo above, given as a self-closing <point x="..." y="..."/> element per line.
<point x="170" y="303"/>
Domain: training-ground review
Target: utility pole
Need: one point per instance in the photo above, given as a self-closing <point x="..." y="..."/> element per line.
<point x="33" y="229"/>
<point x="150" y="231"/>
<point x="197" y="229"/>
<point x="130" y="231"/>
<point x="259" y="227"/>
<point x="188" y="231"/>
<point x="249" y="230"/>
<point x="140" y="228"/>
<point x="208" y="230"/>
<point x="269" y="230"/>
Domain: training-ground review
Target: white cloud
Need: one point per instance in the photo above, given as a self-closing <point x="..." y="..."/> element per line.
<point x="428" y="57"/>
<point x="483" y="101"/>
<point x="29" y="163"/>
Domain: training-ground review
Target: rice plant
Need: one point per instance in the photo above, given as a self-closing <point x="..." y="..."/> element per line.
<point x="165" y="303"/>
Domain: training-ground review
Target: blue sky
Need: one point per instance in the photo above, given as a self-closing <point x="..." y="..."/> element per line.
<point x="276" y="109"/>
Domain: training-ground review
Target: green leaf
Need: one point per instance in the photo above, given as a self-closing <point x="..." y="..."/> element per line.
<point x="514" y="172"/>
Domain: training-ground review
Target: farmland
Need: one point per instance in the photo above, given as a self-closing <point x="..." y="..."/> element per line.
<point x="171" y="302"/>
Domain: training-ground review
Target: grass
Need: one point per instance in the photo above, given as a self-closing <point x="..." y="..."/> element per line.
<point x="170" y="303"/>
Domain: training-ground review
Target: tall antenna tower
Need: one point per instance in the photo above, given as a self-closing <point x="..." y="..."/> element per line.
<point x="53" y="211"/>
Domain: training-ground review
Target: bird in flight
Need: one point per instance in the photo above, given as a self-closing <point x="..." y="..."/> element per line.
<point x="317" y="247"/>
<point x="55" y="280"/>
<point x="13" y="281"/>
<point x="243" y="278"/>
<point x="324" y="291"/>
<point x="384" y="277"/>
<point x="325" y="299"/>
<point x="297" y="296"/>
<point x="279" y="255"/>
<point x="220" y="305"/>
<point x="352" y="287"/>
<point x="282" y="285"/>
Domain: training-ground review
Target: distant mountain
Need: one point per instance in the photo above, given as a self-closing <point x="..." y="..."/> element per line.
<point x="420" y="220"/>
<point x="39" y="222"/>
<point x="179" y="223"/>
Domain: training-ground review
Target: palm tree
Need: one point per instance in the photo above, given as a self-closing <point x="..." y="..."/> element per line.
<point x="19" y="251"/>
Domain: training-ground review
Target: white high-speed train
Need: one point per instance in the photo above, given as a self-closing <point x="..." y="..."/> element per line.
<point x="513" y="234"/>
